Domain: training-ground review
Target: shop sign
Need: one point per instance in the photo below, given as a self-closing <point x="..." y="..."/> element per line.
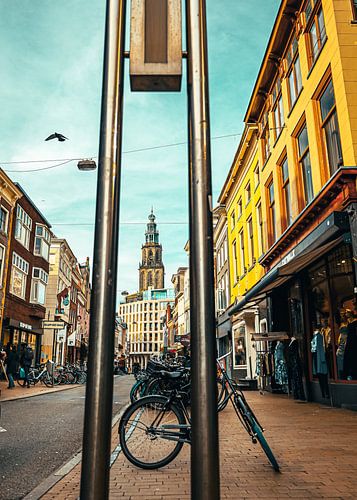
<point x="53" y="325"/>
<point x="288" y="258"/>
<point x="25" y="326"/>
<point x="71" y="341"/>
<point x="61" y="336"/>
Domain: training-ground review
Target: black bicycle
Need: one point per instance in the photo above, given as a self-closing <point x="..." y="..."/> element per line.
<point x="153" y="430"/>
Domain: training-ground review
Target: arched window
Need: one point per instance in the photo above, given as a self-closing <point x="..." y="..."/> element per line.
<point x="157" y="279"/>
<point x="158" y="256"/>
<point x="149" y="279"/>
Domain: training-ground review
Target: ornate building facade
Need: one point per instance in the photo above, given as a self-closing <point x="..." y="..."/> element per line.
<point x="151" y="268"/>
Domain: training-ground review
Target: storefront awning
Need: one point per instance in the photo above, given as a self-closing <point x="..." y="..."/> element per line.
<point x="281" y="274"/>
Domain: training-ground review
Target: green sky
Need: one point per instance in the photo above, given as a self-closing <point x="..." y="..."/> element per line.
<point x="51" y="70"/>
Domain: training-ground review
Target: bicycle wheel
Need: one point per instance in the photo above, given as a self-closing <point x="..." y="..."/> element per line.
<point x="263" y="443"/>
<point x="137" y="390"/>
<point x="21" y="382"/>
<point x="143" y="442"/>
<point x="47" y="379"/>
<point x="223" y="395"/>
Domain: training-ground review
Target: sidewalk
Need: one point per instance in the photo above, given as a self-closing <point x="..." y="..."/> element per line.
<point x="22" y="392"/>
<point x="315" y="446"/>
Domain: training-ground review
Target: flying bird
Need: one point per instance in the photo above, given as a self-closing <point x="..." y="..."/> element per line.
<point x="60" y="137"/>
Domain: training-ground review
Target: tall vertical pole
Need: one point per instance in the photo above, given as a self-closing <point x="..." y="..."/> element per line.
<point x="205" y="453"/>
<point x="99" y="393"/>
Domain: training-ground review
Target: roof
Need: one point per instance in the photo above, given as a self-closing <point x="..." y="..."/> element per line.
<point x="279" y="36"/>
<point x="32" y="203"/>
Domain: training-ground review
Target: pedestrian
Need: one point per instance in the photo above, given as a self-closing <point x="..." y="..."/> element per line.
<point x="26" y="362"/>
<point x="11" y="366"/>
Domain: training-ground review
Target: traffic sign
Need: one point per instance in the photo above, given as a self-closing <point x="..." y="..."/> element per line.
<point x="53" y="325"/>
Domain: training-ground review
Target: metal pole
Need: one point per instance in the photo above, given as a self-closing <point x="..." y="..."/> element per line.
<point x="99" y="393"/>
<point x="205" y="453"/>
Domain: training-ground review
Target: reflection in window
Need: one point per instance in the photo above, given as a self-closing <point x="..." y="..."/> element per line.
<point x="240" y="355"/>
<point x="330" y="128"/>
<point x="305" y="164"/>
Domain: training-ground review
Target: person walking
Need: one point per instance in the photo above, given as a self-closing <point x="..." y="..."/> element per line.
<point x="11" y="366"/>
<point x="26" y="362"/>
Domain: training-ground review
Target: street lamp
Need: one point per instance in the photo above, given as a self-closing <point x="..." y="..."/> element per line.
<point x="86" y="165"/>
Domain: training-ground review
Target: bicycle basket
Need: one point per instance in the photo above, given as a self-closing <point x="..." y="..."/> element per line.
<point x="154" y="366"/>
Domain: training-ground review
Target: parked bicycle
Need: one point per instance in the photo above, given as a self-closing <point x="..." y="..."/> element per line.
<point x="36" y="374"/>
<point x="153" y="429"/>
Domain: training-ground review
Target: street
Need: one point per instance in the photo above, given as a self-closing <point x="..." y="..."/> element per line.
<point x="42" y="433"/>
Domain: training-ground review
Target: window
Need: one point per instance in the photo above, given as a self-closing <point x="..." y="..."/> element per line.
<point x="23" y="227"/>
<point x="354" y="9"/>
<point x="271" y="214"/>
<point x="286" y="192"/>
<point x="265" y="137"/>
<point x="260" y="228"/>
<point x="305" y="164"/>
<point x="19" y="272"/>
<point x="233" y="220"/>
<point x="294" y="72"/>
<point x="42" y="241"/>
<point x="240" y="207"/>
<point x="256" y="177"/>
<point x="235" y="261"/>
<point x="2" y="263"/>
<point x="330" y="128"/>
<point x="248" y="193"/>
<point x="39" y="283"/>
<point x="317" y="34"/>
<point x="278" y="111"/>
<point x="241" y="253"/>
<point x="4" y="218"/>
<point x="251" y="241"/>
<point x="240" y="355"/>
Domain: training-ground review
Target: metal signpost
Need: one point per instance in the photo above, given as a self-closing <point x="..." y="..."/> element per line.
<point x="155" y="64"/>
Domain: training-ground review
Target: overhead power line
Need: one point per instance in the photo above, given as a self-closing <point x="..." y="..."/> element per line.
<point x="130" y="151"/>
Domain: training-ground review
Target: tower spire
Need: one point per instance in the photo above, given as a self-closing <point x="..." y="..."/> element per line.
<point x="151" y="269"/>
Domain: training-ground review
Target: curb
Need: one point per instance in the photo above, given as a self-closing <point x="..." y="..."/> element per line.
<point x="40" y="490"/>
<point x="50" y="391"/>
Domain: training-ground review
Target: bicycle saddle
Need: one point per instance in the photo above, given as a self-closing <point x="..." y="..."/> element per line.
<point x="173" y="375"/>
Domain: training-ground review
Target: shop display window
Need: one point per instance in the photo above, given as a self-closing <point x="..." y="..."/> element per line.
<point x="239" y="342"/>
<point x="332" y="313"/>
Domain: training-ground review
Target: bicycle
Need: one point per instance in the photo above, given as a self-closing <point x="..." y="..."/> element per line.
<point x="153" y="430"/>
<point x="37" y="374"/>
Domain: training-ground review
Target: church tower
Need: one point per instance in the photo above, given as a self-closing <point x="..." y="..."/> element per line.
<point x="151" y="269"/>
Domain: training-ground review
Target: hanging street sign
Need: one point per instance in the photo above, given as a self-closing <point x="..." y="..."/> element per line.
<point x="53" y="325"/>
<point x="156" y="45"/>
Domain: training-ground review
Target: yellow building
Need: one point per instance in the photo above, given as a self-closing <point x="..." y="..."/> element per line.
<point x="241" y="195"/>
<point x="304" y="105"/>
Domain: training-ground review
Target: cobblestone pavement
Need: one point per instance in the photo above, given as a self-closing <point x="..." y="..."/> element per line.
<point x="315" y="446"/>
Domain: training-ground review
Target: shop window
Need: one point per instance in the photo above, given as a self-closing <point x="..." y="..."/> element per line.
<point x="242" y="268"/>
<point x="239" y="342"/>
<point x="285" y="184"/>
<point x="19" y="272"/>
<point x="332" y="307"/>
<point x="316" y="31"/>
<point x="38" y="286"/>
<point x="305" y="164"/>
<point x="23" y="227"/>
<point x="330" y="128"/>
<point x="251" y="241"/>
<point x="271" y="213"/>
<point x="4" y="219"/>
<point x="42" y="241"/>
<point x="294" y="72"/>
<point x="2" y="263"/>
